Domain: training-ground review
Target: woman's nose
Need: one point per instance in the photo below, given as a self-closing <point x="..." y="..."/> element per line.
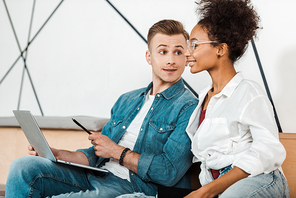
<point x="187" y="53"/>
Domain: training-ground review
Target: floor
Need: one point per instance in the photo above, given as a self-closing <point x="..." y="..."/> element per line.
<point x="2" y="190"/>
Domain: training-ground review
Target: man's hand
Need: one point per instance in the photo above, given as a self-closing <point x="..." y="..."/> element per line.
<point x="105" y="147"/>
<point x="71" y="156"/>
<point x="31" y="151"/>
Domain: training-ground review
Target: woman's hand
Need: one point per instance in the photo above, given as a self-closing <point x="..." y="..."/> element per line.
<point x="202" y="192"/>
<point x="219" y="185"/>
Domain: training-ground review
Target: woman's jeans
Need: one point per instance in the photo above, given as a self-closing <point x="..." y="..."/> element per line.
<point x="33" y="176"/>
<point x="272" y="185"/>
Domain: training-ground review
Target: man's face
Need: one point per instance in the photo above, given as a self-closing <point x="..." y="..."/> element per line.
<point x="166" y="56"/>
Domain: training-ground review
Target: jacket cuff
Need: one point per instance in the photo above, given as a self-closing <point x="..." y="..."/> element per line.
<point x="91" y="156"/>
<point x="144" y="163"/>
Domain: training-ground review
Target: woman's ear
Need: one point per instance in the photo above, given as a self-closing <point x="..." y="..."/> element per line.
<point x="148" y="57"/>
<point x="222" y="49"/>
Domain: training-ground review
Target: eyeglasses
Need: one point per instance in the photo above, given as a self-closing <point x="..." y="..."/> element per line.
<point x="193" y="43"/>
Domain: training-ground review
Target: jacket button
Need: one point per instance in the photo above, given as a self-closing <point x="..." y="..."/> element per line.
<point x="123" y="127"/>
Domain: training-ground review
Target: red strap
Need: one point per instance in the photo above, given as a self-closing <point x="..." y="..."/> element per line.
<point x="215" y="173"/>
<point x="202" y="116"/>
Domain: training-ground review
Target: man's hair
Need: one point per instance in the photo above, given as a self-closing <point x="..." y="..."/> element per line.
<point x="167" y="27"/>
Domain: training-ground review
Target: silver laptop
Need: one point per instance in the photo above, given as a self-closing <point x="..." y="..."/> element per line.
<point x="38" y="141"/>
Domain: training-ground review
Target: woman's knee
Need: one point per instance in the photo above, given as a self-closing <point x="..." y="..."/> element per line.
<point x="264" y="185"/>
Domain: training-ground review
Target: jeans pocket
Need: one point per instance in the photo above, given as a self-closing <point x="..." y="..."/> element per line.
<point x="102" y="175"/>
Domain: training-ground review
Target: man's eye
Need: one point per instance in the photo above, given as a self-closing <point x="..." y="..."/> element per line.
<point x="179" y="52"/>
<point x="162" y="52"/>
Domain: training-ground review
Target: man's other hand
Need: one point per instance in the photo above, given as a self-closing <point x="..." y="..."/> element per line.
<point x="105" y="147"/>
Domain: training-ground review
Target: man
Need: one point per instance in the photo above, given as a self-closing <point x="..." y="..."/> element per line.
<point x="143" y="145"/>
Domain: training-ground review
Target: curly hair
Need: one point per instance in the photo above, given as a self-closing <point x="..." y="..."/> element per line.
<point x="233" y="22"/>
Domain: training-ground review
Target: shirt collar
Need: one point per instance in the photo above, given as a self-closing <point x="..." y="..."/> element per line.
<point x="169" y="92"/>
<point x="228" y="89"/>
<point x="231" y="85"/>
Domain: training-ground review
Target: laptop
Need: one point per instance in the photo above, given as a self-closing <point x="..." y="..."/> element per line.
<point x="36" y="138"/>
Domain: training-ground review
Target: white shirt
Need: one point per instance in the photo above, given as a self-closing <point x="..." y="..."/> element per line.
<point x="239" y="129"/>
<point x="129" y="139"/>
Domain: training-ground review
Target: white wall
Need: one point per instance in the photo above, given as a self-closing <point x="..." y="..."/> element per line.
<point x="87" y="55"/>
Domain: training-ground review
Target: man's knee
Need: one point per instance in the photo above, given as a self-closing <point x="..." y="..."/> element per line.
<point x="26" y="166"/>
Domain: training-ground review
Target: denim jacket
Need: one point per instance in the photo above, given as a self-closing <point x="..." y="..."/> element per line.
<point x="162" y="142"/>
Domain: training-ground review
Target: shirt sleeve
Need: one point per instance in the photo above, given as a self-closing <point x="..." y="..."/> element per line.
<point x="266" y="152"/>
<point x="171" y="165"/>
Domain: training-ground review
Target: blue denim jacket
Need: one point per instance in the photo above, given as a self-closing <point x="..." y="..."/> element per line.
<point x="162" y="142"/>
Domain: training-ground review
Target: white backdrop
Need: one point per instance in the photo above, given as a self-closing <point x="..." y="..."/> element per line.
<point x="87" y="55"/>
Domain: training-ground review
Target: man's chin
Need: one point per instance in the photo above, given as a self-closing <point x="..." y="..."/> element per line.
<point x="171" y="80"/>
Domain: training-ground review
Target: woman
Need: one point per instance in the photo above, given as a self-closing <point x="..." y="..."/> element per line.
<point x="233" y="130"/>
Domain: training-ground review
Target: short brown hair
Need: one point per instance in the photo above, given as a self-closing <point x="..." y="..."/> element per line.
<point x="168" y="27"/>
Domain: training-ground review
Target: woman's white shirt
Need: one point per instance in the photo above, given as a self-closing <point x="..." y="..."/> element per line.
<point x="239" y="129"/>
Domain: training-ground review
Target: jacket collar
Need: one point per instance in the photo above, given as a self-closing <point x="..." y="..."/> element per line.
<point x="169" y="92"/>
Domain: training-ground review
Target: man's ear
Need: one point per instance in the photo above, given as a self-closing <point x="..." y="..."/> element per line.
<point x="148" y="57"/>
<point x="222" y="49"/>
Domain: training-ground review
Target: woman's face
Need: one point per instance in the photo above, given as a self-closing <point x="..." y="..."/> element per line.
<point x="200" y="55"/>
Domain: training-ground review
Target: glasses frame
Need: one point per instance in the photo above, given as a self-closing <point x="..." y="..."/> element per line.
<point x="192" y="44"/>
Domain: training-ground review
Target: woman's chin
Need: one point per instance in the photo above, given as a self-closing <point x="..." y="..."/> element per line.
<point x="194" y="71"/>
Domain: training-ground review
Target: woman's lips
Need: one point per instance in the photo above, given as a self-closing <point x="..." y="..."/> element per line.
<point x="190" y="63"/>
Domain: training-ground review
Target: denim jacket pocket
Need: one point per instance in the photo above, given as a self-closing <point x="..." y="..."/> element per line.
<point x="158" y="135"/>
<point x="117" y="122"/>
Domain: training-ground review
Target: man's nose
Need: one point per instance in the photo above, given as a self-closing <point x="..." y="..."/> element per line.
<point x="171" y="59"/>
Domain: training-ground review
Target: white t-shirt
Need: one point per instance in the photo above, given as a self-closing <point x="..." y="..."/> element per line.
<point x="129" y="139"/>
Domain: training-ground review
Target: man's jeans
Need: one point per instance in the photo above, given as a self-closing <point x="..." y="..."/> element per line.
<point x="33" y="176"/>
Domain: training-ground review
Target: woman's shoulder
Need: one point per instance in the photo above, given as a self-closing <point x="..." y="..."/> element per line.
<point x="251" y="87"/>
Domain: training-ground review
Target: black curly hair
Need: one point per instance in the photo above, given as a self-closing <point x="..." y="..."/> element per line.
<point x="233" y="22"/>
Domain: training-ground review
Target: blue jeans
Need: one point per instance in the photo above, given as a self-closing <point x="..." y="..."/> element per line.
<point x="269" y="185"/>
<point x="33" y="176"/>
